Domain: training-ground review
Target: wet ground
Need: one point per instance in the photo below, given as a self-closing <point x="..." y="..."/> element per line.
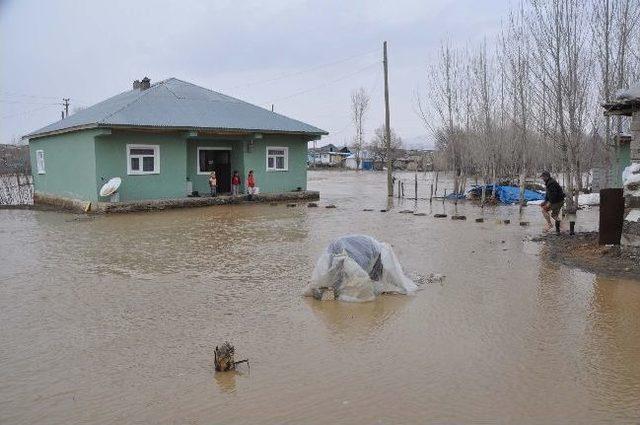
<point x="114" y="319"/>
<point x="583" y="251"/>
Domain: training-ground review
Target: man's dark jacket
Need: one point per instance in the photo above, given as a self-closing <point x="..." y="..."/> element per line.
<point x="554" y="191"/>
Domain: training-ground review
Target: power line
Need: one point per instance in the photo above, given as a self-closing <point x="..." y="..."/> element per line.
<point x="28" y="112"/>
<point x="26" y="103"/>
<point x="15" y="94"/>
<point x="323" y="84"/>
<point x="304" y="71"/>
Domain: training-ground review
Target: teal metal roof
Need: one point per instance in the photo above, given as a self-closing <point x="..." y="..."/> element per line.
<point x="173" y="103"/>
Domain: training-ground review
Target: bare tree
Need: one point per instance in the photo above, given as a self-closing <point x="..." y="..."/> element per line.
<point x="516" y="48"/>
<point x="614" y="25"/>
<point x="531" y="101"/>
<point x="359" y="107"/>
<point x="377" y="146"/>
<point x="445" y="80"/>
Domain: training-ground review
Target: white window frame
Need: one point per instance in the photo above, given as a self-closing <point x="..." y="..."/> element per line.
<point x="156" y="159"/>
<point x="40" y="168"/>
<point x="286" y="159"/>
<point x="208" y="148"/>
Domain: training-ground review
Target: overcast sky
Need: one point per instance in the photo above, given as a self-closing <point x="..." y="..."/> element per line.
<point x="305" y="57"/>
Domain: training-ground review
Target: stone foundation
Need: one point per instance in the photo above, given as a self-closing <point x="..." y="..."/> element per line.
<point x="80" y="206"/>
<point x="60" y="202"/>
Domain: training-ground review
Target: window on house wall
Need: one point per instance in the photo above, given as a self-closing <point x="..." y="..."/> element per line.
<point x="143" y="159"/>
<point x="40" y="161"/>
<point x="277" y="159"/>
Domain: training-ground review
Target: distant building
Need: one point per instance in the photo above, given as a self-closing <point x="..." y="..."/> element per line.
<point x="163" y="140"/>
<point x="414" y="160"/>
<point x="328" y="155"/>
<point x="365" y="161"/>
<point x="628" y="104"/>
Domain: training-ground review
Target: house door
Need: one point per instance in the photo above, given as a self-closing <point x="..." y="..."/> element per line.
<point x="218" y="161"/>
<point x="223" y="171"/>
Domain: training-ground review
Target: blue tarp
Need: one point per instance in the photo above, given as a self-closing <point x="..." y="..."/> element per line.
<point x="508" y="194"/>
<point x="456" y="196"/>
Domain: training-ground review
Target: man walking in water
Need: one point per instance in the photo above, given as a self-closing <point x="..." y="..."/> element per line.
<point x="553" y="201"/>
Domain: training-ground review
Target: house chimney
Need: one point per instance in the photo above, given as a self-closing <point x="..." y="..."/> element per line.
<point x="145" y="83"/>
<point x="136" y="85"/>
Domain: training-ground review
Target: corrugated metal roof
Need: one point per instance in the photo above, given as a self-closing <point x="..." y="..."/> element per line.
<point x="173" y="103"/>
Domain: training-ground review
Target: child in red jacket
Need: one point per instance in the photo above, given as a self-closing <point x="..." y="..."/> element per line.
<point x="251" y="184"/>
<point x="235" y="183"/>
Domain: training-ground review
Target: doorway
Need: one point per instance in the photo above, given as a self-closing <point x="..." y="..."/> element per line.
<point x="218" y="160"/>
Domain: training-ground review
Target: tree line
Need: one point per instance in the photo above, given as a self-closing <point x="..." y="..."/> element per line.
<point x="531" y="99"/>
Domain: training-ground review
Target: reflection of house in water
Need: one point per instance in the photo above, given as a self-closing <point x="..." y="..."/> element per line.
<point x="178" y="241"/>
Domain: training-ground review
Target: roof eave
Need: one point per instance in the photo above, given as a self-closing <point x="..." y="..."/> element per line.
<point x="622" y="107"/>
<point x="30" y="136"/>
<point x="61" y="131"/>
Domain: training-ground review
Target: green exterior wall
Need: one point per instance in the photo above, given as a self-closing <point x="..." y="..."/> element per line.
<point x="78" y="163"/>
<point x="201" y="182"/>
<point x="69" y="162"/>
<point x="255" y="158"/>
<point x="623" y="160"/>
<point x="625" y="155"/>
<point x="111" y="161"/>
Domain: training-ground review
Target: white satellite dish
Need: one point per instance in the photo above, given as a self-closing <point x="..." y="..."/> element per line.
<point x="111" y="187"/>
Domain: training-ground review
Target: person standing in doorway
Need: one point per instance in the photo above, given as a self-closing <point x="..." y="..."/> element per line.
<point x="251" y="184"/>
<point x="235" y="183"/>
<point x="553" y="201"/>
<point x="213" y="183"/>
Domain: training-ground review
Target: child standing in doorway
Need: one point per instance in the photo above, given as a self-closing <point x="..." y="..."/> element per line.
<point x="251" y="184"/>
<point x="213" y="183"/>
<point x="235" y="183"/>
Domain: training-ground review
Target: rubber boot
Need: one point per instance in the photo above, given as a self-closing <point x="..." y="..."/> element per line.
<point x="557" y="227"/>
<point x="572" y="228"/>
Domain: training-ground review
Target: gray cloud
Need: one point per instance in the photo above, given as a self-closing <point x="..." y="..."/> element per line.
<point x="91" y="50"/>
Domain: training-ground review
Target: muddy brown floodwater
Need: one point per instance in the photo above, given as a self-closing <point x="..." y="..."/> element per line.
<point x="114" y="319"/>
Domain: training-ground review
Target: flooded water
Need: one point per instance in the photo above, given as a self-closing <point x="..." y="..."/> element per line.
<point x="115" y="319"/>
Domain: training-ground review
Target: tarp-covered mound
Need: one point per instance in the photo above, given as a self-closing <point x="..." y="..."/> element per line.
<point x="358" y="268"/>
<point x="507" y="194"/>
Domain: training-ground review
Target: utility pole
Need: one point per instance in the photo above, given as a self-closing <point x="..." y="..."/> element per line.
<point x="65" y="102"/>
<point x="387" y="122"/>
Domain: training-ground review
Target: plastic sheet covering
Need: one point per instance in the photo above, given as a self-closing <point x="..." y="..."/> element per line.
<point x="507" y="194"/>
<point x="358" y="268"/>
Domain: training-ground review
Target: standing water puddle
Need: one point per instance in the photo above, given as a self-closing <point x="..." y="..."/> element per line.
<point x="115" y="320"/>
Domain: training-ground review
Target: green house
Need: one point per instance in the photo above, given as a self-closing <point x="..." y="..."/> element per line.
<point x="163" y="140"/>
